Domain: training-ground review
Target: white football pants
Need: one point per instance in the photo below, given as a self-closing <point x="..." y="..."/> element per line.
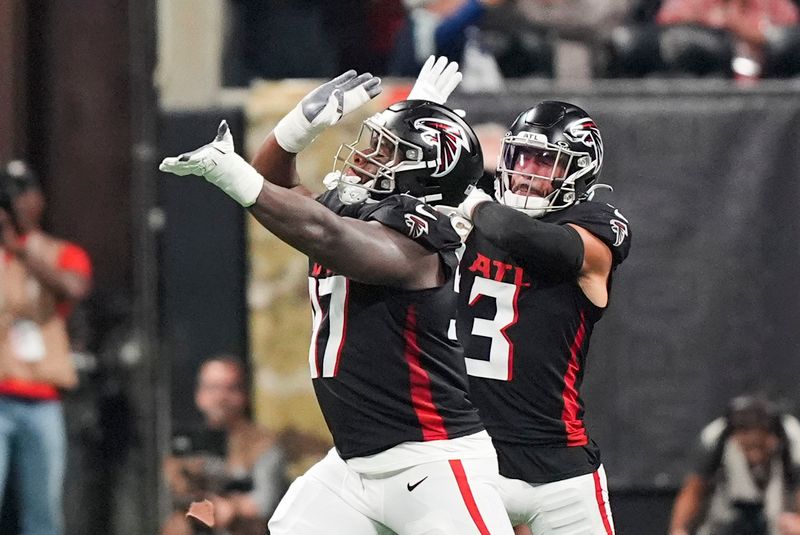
<point x="574" y="506"/>
<point x="435" y="498"/>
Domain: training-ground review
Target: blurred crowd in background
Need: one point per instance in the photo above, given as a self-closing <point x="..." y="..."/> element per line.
<point x="498" y="39"/>
<point x="498" y="42"/>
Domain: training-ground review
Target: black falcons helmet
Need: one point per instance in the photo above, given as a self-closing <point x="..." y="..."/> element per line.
<point x="416" y="147"/>
<point x="563" y="136"/>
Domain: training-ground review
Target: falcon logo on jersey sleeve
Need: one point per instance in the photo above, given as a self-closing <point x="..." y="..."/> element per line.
<point x="619" y="226"/>
<point x="620" y="229"/>
<point x="416" y="225"/>
<point x="448" y="138"/>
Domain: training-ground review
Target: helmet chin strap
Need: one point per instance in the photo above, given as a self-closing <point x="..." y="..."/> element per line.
<point x="348" y="187"/>
<point x="532" y="206"/>
<point x="542" y="205"/>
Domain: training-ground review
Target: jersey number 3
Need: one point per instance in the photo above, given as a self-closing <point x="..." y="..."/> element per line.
<point x="501" y="350"/>
<point x="332" y="290"/>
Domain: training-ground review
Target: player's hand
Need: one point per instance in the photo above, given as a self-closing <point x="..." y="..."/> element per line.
<point x="218" y="163"/>
<point x="460" y="224"/>
<point x="325" y="106"/>
<point x="477" y="196"/>
<point x="436" y="80"/>
<point x="204" y="159"/>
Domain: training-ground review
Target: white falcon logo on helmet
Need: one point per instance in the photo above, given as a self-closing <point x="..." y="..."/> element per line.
<point x="585" y="131"/>
<point x="449" y="139"/>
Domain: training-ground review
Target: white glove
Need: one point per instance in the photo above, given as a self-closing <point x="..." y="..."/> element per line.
<point x="219" y="164"/>
<point x="323" y="107"/>
<point x="437" y="79"/>
<point x="460" y="224"/>
<point x="477" y="196"/>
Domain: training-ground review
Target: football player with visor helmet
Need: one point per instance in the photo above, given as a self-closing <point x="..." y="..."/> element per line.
<point x="411" y="455"/>
<point x="534" y="279"/>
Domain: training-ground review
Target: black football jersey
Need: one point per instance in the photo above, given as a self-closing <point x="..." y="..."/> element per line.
<point x="525" y="342"/>
<point x="383" y="367"/>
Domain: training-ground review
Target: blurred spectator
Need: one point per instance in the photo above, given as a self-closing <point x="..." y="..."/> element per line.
<point x="581" y="25"/>
<point x="275" y="39"/>
<point x="749" y="22"/>
<point x="521" y="48"/>
<point x="746" y="475"/>
<point x="235" y="463"/>
<point x="262" y="38"/>
<point x="41" y="277"/>
<point x="434" y="27"/>
<point x="369" y="48"/>
<point x="645" y="11"/>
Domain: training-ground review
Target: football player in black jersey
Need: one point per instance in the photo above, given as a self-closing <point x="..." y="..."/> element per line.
<point x="411" y="454"/>
<point x="534" y="279"/>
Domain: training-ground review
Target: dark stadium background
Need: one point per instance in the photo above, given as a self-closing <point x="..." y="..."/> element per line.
<point x="706" y="307"/>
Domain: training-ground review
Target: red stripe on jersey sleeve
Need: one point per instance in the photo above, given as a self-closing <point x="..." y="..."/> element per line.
<point x="576" y="433"/>
<point x="429" y="418"/>
<point x="466" y="494"/>
<point x="601" y="503"/>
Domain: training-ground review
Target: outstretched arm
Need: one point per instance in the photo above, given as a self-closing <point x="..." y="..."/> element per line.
<point x="321" y="108"/>
<point x="364" y="251"/>
<point x="327" y="104"/>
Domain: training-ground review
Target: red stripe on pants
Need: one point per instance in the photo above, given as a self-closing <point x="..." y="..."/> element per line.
<point x="466" y="494"/>
<point x="598" y="490"/>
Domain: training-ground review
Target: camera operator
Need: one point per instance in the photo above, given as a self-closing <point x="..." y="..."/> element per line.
<point x="745" y="480"/>
<point x="41" y="278"/>
<point x="233" y="462"/>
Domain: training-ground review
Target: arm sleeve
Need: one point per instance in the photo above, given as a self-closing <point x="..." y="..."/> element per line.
<point x="548" y="249"/>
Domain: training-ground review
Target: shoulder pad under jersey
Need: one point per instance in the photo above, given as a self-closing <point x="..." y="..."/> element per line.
<point x="413" y="218"/>
<point x="331" y="200"/>
<point x="603" y="220"/>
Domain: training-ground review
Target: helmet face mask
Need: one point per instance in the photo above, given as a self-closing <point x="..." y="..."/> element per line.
<point x="373" y="160"/>
<point x="550" y="158"/>
<point x="415" y="147"/>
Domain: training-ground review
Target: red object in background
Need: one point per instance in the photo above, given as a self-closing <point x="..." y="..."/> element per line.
<point x="395" y="94"/>
<point x="384" y="18"/>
